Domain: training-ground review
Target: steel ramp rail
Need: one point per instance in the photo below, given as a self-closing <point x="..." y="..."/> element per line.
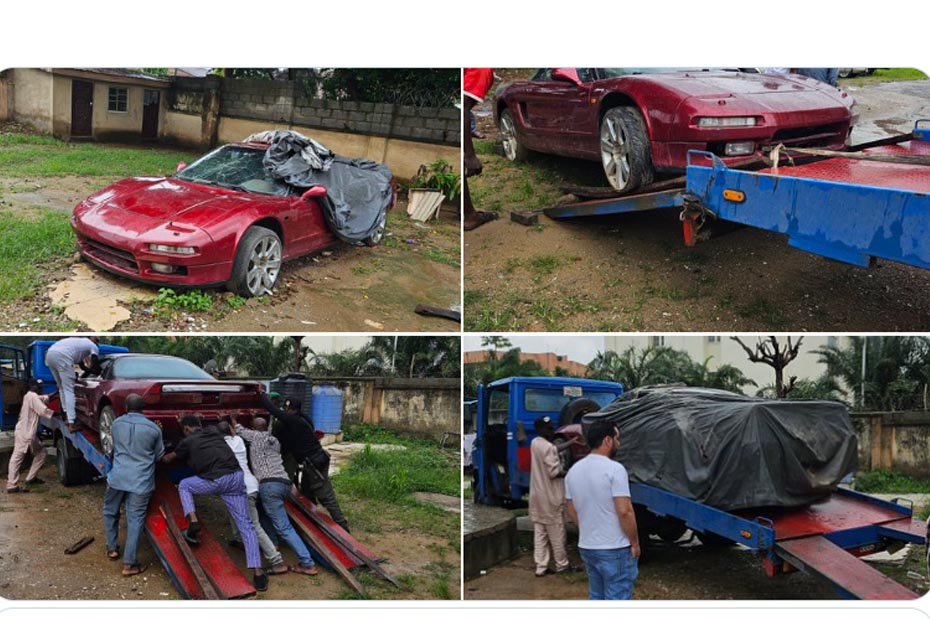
<point x="334" y="549"/>
<point x="225" y="575"/>
<point x="611" y="206"/>
<point x="906" y="530"/>
<point x="851" y="576"/>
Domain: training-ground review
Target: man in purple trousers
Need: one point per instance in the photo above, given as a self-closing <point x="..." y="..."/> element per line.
<point x="217" y="472"/>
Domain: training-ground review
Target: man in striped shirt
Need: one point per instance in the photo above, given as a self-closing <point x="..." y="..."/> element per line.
<point x="274" y="487"/>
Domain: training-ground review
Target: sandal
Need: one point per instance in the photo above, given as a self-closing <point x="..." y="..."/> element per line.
<point x="135" y="569"/>
<point x="306" y="570"/>
<point x="483" y="217"/>
<point x="278" y="569"/>
<point x="113" y="554"/>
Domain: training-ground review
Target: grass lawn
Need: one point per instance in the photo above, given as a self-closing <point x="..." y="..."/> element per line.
<point x="38" y="237"/>
<point x="884" y="75"/>
<point x="375" y="489"/>
<point x="42" y="156"/>
<point x="32" y="239"/>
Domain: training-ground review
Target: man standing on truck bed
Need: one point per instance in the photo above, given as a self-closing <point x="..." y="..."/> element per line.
<point x="547" y="499"/>
<point x="298" y="438"/>
<point x="61" y="358"/>
<point x="598" y="492"/>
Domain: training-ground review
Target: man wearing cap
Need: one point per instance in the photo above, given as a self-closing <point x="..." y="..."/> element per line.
<point x="61" y="358"/>
<point x="547" y="499"/>
<point x="25" y="440"/>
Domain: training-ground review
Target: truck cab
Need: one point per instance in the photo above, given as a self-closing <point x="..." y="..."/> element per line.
<point x="507" y="410"/>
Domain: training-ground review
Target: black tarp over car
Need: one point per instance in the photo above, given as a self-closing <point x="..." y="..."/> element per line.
<point x="732" y="451"/>
<point x="358" y="190"/>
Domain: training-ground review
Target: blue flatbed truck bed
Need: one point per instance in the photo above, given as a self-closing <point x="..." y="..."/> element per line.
<point x="840" y="207"/>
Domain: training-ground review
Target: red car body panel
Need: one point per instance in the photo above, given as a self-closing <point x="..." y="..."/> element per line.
<point x="202" y="397"/>
<point x="563" y="118"/>
<point x="115" y="227"/>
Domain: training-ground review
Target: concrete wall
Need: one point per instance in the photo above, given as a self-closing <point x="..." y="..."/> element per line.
<point x="6" y="95"/>
<point x="403" y="137"/>
<point x="32" y="98"/>
<point x="424" y="407"/>
<point x="899" y="441"/>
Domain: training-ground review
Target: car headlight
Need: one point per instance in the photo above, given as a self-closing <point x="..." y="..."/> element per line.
<point x="726" y="121"/>
<point x="172" y="249"/>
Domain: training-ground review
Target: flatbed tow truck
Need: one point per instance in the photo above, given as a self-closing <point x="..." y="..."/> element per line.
<point x="869" y="202"/>
<point x="825" y="539"/>
<point x="203" y="571"/>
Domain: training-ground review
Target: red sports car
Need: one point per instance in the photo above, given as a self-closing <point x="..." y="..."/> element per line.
<point x="639" y="122"/>
<point x="222" y="220"/>
<point x="168" y="385"/>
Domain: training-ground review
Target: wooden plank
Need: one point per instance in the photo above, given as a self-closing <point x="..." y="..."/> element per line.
<point x="79" y="545"/>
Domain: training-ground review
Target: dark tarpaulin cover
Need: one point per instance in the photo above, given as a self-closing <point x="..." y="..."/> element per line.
<point x="732" y="451"/>
<point x="358" y="190"/>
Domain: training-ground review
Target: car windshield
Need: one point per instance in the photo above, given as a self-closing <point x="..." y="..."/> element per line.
<point x="156" y="367"/>
<point x="235" y="167"/>
<point x="623" y="71"/>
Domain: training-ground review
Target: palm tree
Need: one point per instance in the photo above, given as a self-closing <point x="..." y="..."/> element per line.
<point x="896" y="375"/>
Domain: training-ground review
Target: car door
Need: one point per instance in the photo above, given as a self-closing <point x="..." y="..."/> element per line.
<point x="557" y="111"/>
<point x="302" y="220"/>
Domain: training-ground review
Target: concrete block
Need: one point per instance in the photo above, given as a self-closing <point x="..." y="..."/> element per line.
<point x="366" y="107"/>
<point x="527" y="218"/>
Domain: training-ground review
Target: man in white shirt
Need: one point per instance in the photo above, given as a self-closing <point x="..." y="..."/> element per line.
<point x="598" y="492"/>
<point x="61" y="358"/>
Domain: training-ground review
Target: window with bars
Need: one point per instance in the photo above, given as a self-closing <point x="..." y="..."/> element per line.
<point x="658" y="341"/>
<point x="117" y="101"/>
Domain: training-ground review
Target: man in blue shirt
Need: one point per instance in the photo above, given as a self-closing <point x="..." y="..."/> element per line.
<point x="137" y="446"/>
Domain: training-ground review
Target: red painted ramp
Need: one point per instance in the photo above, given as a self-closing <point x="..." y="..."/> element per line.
<point x="335" y="548"/>
<point x="225" y="576"/>
<point x="819" y="556"/>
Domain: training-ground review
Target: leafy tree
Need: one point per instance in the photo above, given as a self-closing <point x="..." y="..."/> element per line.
<point x="390" y="356"/>
<point x="824" y="388"/>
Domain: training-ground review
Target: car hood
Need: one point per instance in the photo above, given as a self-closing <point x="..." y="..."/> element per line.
<point x="151" y="201"/>
<point x="777" y="91"/>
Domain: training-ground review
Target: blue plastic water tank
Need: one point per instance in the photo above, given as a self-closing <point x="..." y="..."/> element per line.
<point x="326" y="408"/>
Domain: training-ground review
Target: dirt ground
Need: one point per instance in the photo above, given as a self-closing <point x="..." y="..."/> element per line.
<point x="345" y="288"/>
<point x="671" y="573"/>
<point x="632" y="273"/>
<point x="36" y="527"/>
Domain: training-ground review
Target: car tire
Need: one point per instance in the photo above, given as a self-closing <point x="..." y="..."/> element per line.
<point x="72" y="468"/>
<point x="513" y="148"/>
<point x="573" y="411"/>
<point x="257" y="265"/>
<point x="845" y="73"/>
<point x="626" y="153"/>
<point x="105" y="429"/>
<point x="378" y="234"/>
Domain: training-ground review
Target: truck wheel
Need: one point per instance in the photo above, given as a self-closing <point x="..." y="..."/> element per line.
<point x="713" y="541"/>
<point x="626" y="153"/>
<point x="72" y="469"/>
<point x="573" y="411"/>
<point x="670" y="530"/>
<point x="257" y="264"/>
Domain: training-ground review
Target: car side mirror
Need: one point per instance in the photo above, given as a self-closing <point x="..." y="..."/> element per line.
<point x="181" y="166"/>
<point x="566" y="75"/>
<point x="317" y="191"/>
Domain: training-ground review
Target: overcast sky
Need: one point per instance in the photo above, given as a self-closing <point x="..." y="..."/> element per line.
<point x="577" y="348"/>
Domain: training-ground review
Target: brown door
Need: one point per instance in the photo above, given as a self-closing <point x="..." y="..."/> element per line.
<point x="82" y="109"/>
<point x="150" y="99"/>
